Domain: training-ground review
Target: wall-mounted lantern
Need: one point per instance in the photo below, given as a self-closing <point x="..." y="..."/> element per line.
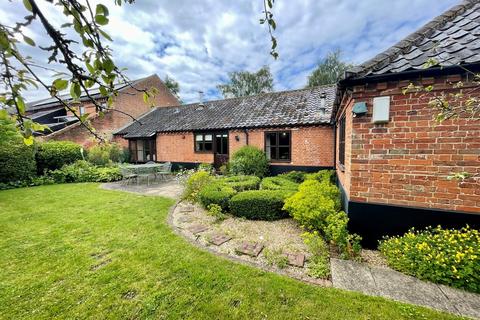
<point x="237" y="138"/>
<point x="359" y="109"/>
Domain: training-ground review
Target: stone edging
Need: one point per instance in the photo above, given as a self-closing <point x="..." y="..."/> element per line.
<point x="177" y="231"/>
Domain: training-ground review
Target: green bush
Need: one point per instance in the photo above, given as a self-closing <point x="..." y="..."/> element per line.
<point x="54" y="155"/>
<point x="241" y="183"/>
<point x="249" y="160"/>
<point x="278" y="183"/>
<point x="445" y="256"/>
<point x="196" y="182"/>
<point x="336" y="232"/>
<point x="313" y="203"/>
<point x="17" y="161"/>
<point x="216" y="193"/>
<point x="259" y="204"/>
<point x="205" y="167"/>
<point x="105" y="154"/>
<point x="295" y="176"/>
<point x="214" y="210"/>
<point x="83" y="171"/>
<point x="322" y="175"/>
<point x="319" y="263"/>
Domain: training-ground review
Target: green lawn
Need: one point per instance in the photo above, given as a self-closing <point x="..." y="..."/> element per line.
<point x="76" y="251"/>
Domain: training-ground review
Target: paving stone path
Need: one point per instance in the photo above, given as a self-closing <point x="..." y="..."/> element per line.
<point x="197" y="228"/>
<point x="219" y="239"/>
<point x="252" y="249"/>
<point x="350" y="275"/>
<point x="296" y="259"/>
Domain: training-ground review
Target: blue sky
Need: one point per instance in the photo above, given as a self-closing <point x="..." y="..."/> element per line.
<point x="199" y="42"/>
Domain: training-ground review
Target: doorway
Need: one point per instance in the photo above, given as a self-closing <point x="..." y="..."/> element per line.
<point x="220" y="149"/>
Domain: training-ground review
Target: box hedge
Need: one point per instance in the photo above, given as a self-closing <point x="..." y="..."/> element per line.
<point x="249" y="160"/>
<point x="259" y="204"/>
<point x="241" y="183"/>
<point x="295" y="176"/>
<point x="54" y="155"/>
<point x="17" y="161"/>
<point x="278" y="183"/>
<point x="216" y="193"/>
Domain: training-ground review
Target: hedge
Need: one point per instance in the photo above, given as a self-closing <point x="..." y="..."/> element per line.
<point x="259" y="204"/>
<point x="83" y="171"/>
<point x="249" y="160"/>
<point x="17" y="161"/>
<point x="241" y="183"/>
<point x="53" y="155"/>
<point x="295" y="176"/>
<point x="278" y="183"/>
<point x="216" y="193"/>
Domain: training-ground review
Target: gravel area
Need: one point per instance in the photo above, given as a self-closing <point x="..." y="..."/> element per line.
<point x="281" y="236"/>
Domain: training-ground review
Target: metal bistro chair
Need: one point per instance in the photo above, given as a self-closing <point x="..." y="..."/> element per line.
<point x="128" y="175"/>
<point x="163" y="171"/>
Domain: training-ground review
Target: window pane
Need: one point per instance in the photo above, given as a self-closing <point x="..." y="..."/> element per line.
<point x="268" y="152"/>
<point x="224" y="145"/>
<point x="198" y="146"/>
<point x="208" y="137"/>
<point x="273" y="153"/>
<point x="271" y="139"/>
<point x="218" y="143"/>
<point x="208" y="146"/>
<point x="284" y="153"/>
<point x="284" y="138"/>
<point x="199" y="137"/>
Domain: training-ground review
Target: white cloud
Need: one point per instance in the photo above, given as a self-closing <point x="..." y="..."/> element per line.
<point x="199" y="42"/>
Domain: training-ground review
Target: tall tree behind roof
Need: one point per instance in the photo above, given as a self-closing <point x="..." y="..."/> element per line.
<point x="329" y="70"/>
<point x="244" y="83"/>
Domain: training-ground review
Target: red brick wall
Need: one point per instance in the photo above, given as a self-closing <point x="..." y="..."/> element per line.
<point x="407" y="160"/>
<point x="129" y="101"/>
<point x="311" y="146"/>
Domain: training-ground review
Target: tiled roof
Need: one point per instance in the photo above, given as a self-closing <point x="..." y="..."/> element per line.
<point x="451" y="39"/>
<point x="297" y="107"/>
<point x="94" y="93"/>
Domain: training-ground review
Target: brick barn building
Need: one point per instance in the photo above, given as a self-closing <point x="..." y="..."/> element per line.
<point x="64" y="126"/>
<point x="393" y="158"/>
<point x="293" y="127"/>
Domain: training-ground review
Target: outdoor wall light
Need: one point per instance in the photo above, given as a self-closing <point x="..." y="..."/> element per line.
<point x="183" y="137"/>
<point x="237" y="138"/>
<point x="359" y="109"/>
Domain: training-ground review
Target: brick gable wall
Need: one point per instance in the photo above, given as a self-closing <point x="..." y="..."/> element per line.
<point x="129" y="101"/>
<point x="407" y="160"/>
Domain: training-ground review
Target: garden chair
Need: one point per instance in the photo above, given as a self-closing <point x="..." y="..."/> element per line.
<point x="128" y="175"/>
<point x="164" y="171"/>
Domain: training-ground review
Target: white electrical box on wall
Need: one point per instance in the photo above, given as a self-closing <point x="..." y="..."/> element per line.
<point x="381" y="109"/>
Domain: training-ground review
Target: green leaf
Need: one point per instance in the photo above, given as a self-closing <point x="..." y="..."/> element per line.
<point x="29" y="41"/>
<point x="87" y="42"/>
<point x="66" y="25"/>
<point x="101" y="10"/>
<point x="101" y="20"/>
<point x="145" y="97"/>
<point x="84" y="117"/>
<point x="20" y="105"/>
<point x="4" y="43"/>
<point x="108" y="65"/>
<point x="103" y="91"/>
<point x="90" y="68"/>
<point x="28" y="141"/>
<point x="105" y="35"/>
<point x="60" y="84"/>
<point x="75" y="90"/>
<point x="27" y="5"/>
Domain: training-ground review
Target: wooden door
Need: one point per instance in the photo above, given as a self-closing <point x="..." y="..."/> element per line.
<point x="220" y="149"/>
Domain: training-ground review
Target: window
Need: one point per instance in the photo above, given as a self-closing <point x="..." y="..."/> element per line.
<point x="221" y="143"/>
<point x="203" y="142"/>
<point x="142" y="150"/>
<point x="341" y="141"/>
<point x="278" y="145"/>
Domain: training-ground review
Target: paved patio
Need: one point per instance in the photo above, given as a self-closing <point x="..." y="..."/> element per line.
<point x="384" y="282"/>
<point x="169" y="189"/>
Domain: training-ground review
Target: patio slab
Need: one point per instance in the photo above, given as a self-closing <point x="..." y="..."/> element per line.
<point x="169" y="189"/>
<point x="350" y="275"/>
<point x="197" y="228"/>
<point x="252" y="249"/>
<point x="296" y="259"/>
<point x="219" y="239"/>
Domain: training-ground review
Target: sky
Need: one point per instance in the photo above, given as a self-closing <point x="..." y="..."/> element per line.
<point x="199" y="42"/>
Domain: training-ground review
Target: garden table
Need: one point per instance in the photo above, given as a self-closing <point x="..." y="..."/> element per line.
<point x="144" y="170"/>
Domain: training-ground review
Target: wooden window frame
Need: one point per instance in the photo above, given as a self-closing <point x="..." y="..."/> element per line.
<point x="277" y="133"/>
<point x="203" y="134"/>
<point x="134" y="154"/>
<point x="341" y="141"/>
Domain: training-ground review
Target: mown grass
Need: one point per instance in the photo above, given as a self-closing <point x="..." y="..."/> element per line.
<point x="76" y="251"/>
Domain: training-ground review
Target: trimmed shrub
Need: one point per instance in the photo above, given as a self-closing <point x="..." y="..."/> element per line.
<point x="446" y="256"/>
<point x="17" y="161"/>
<point x="322" y="175"/>
<point x="196" y="182"/>
<point x="83" y="171"/>
<point x="278" y="183"/>
<point x="313" y="203"/>
<point x="205" y="167"/>
<point x="54" y="155"/>
<point x="295" y="176"/>
<point x="249" y="160"/>
<point x="216" y="193"/>
<point x="105" y="154"/>
<point x="259" y="204"/>
<point x="241" y="183"/>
